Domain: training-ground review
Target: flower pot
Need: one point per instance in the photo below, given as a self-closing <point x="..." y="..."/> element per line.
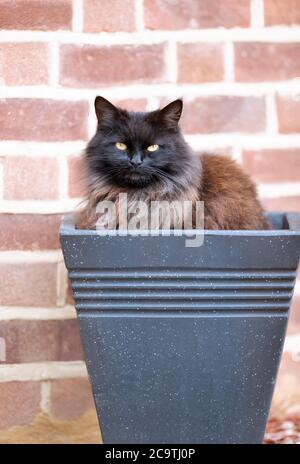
<point x="183" y="344"/>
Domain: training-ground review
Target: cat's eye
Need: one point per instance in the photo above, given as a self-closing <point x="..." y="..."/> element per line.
<point x="152" y="148"/>
<point x="121" y="146"/>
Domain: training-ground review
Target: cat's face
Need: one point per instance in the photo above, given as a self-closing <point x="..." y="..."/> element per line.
<point x="136" y="149"/>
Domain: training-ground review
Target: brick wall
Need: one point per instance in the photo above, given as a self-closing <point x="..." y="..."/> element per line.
<point x="236" y="63"/>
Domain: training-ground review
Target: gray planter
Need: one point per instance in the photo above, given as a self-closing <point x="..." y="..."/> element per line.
<point x="183" y="344"/>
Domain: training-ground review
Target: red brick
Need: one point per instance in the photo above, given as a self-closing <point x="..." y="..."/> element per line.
<point x="36" y="341"/>
<point x="224" y="151"/>
<point x="43" y="120"/>
<point x="285" y="12"/>
<point x="224" y="114"/>
<point x="200" y="62"/>
<point x="191" y="14"/>
<point x="19" y="173"/>
<point x="28" y="284"/>
<point x="90" y="66"/>
<point x="294" y="319"/>
<point x="24" y="63"/>
<point x="130" y="104"/>
<point x="29" y="232"/>
<point x="288" y="115"/>
<point x="290" y="366"/>
<point x="282" y="203"/>
<point x="273" y="165"/>
<point x="69" y="297"/>
<point x="70" y="398"/>
<point x="110" y="17"/>
<point x="288" y="380"/>
<point x="77" y="176"/>
<point x="70" y="347"/>
<point x="36" y="14"/>
<point x="257" y="61"/>
<point x="29" y="341"/>
<point x="19" y="403"/>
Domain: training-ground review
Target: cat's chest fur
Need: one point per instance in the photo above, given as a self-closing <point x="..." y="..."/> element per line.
<point x="228" y="195"/>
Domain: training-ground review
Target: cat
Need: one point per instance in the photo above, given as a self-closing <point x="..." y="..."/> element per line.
<point x="145" y="155"/>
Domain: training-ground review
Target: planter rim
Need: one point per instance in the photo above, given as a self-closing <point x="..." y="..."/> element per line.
<point x="291" y="221"/>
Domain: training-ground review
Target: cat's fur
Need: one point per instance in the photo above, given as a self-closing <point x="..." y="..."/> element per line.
<point x="171" y="173"/>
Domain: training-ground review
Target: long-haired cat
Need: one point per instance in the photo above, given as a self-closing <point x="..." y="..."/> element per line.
<point x="146" y="156"/>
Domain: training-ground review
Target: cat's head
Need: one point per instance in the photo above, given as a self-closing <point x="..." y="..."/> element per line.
<point x="135" y="149"/>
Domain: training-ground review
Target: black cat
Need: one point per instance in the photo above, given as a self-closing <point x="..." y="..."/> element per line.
<point x="146" y="156"/>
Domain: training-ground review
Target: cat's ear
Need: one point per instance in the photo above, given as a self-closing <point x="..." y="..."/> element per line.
<point x="171" y="113"/>
<point x="105" y="110"/>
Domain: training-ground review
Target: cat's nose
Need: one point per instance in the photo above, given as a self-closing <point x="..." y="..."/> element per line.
<point x="136" y="160"/>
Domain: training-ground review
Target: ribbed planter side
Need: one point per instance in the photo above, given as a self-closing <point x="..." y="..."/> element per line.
<point x="183" y="344"/>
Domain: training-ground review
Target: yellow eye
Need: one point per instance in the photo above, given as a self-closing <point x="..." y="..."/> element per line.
<point x="152" y="148"/>
<point x="121" y="146"/>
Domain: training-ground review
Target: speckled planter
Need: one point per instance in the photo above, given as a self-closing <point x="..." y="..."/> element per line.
<point x="183" y="344"/>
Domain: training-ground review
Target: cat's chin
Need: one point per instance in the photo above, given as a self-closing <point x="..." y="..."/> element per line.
<point x="135" y="180"/>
